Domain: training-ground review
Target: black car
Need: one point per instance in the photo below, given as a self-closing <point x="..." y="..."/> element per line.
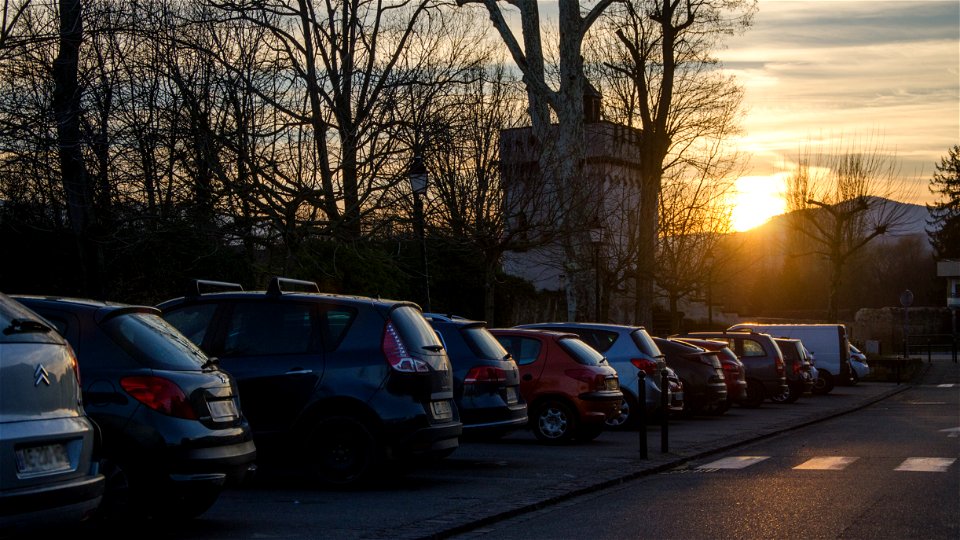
<point x="700" y="373"/>
<point x="762" y="360"/>
<point x="486" y="381"/>
<point x="171" y="428"/>
<point x="344" y="382"/>
<point x="797" y="369"/>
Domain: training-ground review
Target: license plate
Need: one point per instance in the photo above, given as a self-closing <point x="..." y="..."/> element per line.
<point x="441" y="410"/>
<point x="223" y="411"/>
<point x="511" y="394"/>
<point x="43" y="459"/>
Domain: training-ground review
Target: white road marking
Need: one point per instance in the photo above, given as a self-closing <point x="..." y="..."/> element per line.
<point x="925" y="464"/>
<point x="734" y="462"/>
<point x="948" y="385"/>
<point x="831" y="463"/>
<point x="951" y="432"/>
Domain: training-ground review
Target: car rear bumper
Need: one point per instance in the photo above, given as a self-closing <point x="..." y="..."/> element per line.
<point x="62" y="502"/>
<point x="600" y="406"/>
<point x="435" y="438"/>
<point x="233" y="463"/>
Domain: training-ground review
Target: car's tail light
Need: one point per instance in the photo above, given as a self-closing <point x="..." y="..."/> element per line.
<point x="74" y="365"/>
<point x="597" y="381"/>
<point x="647" y="366"/>
<point x="485" y="374"/>
<point x="780" y="367"/>
<point x="396" y="353"/>
<point x="796" y="368"/>
<point x="161" y="395"/>
<point x="730" y="367"/>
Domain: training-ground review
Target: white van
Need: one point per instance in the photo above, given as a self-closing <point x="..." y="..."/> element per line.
<point x="827" y="342"/>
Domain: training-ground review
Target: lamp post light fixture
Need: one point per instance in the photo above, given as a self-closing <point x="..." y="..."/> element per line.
<point x="596" y="240"/>
<point x="417" y="174"/>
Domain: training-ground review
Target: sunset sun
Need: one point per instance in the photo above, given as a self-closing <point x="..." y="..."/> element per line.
<point x="756" y="199"/>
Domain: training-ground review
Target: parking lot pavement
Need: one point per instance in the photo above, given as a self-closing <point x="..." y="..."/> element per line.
<point x="485" y="482"/>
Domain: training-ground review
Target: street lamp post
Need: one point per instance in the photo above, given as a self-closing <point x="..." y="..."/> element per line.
<point x="596" y="239"/>
<point x="418" y="184"/>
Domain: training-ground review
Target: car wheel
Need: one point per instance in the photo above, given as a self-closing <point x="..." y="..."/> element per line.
<point x="783" y="397"/>
<point x="754" y="394"/>
<point x="121" y="500"/>
<point x="627" y="418"/>
<point x="823" y="384"/>
<point x="554" y="422"/>
<point x="589" y="433"/>
<point x="719" y="409"/>
<point x="343" y="451"/>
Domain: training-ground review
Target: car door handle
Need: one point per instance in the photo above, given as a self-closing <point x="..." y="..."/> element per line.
<point x="527" y="377"/>
<point x="299" y="371"/>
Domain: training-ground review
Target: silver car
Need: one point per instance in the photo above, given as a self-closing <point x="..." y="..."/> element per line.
<point x="47" y="473"/>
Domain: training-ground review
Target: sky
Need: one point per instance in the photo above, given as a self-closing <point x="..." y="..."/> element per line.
<point x="826" y="72"/>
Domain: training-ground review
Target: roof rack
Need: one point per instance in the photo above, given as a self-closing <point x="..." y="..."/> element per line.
<point x="197" y="285"/>
<point x="275" y="285"/>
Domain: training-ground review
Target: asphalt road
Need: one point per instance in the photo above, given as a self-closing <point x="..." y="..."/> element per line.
<point x="483" y="485"/>
<point x="887" y="471"/>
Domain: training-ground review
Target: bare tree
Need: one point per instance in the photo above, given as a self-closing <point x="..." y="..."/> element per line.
<point x="840" y="198"/>
<point x="662" y="79"/>
<point x="561" y="148"/>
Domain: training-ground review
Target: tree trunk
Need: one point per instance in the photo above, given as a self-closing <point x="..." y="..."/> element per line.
<point x="77" y="184"/>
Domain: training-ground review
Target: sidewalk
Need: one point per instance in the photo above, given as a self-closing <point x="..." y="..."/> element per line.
<point x="518" y="475"/>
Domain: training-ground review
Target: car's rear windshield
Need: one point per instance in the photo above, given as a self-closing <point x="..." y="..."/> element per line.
<point x="414" y="329"/>
<point x="483" y="343"/>
<point x="154" y="342"/>
<point x="645" y="343"/>
<point x="581" y="352"/>
<point x="20" y="325"/>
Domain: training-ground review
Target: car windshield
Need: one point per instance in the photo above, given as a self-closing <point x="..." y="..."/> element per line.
<point x="20" y="325"/>
<point x="582" y="353"/>
<point x="154" y="342"/>
<point x="483" y="343"/>
<point x="645" y="343"/>
<point x="414" y="329"/>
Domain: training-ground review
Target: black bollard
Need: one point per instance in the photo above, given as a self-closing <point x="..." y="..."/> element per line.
<point x="664" y="404"/>
<point x="641" y="412"/>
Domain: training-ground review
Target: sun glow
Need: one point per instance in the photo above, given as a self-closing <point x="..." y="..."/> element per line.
<point x="756" y="199"/>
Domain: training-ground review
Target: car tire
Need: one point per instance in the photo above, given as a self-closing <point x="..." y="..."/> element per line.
<point x="554" y="422"/>
<point x="121" y="500"/>
<point x="628" y="412"/>
<point x="719" y="409"/>
<point x="343" y="451"/>
<point x="754" y="394"/>
<point x="824" y="383"/>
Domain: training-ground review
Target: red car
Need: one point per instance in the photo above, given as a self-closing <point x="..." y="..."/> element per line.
<point x="570" y="389"/>
<point x="734" y="373"/>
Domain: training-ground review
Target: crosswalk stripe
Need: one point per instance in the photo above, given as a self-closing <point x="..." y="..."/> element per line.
<point x="925" y="464"/>
<point x="833" y="463"/>
<point x="734" y="462"/>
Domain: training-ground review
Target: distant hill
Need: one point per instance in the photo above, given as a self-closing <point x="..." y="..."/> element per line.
<point x="914" y="221"/>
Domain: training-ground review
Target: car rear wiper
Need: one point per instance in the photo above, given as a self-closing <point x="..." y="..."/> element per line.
<point x="23" y="326"/>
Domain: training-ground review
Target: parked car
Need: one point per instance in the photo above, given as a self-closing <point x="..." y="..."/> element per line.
<point x="734" y="374"/>
<point x="828" y="341"/>
<point x="799" y="377"/>
<point x="486" y="380"/>
<point x="629" y="350"/>
<point x="700" y="372"/>
<point x="762" y="360"/>
<point x="48" y="475"/>
<point x="860" y="369"/>
<point x="173" y="435"/>
<point x="570" y="388"/>
<point x="346" y="384"/>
